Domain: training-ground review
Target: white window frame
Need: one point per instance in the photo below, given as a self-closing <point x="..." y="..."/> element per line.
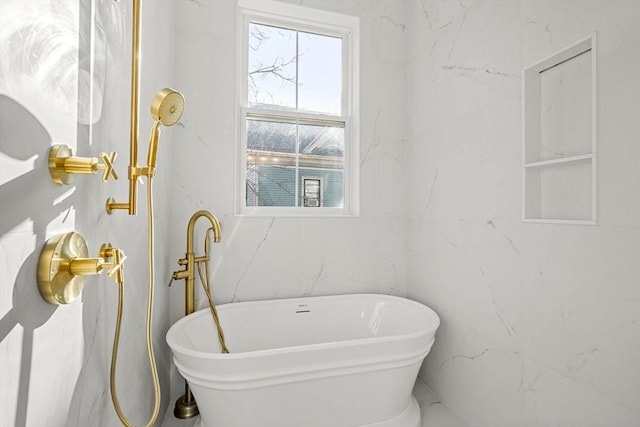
<point x="320" y="22"/>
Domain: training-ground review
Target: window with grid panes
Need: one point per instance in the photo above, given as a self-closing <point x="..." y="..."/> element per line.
<point x="298" y="127"/>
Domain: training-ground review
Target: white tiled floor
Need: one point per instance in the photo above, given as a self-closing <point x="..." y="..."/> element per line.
<point x="434" y="412"/>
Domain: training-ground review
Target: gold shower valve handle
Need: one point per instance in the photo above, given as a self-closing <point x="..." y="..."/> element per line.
<point x="107" y="166"/>
<point x="117" y="265"/>
<point x="64" y="264"/>
<point x="86" y="266"/>
<point x="64" y="166"/>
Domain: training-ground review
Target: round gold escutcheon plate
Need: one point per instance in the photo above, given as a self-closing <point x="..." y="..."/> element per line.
<point x="55" y="283"/>
<point x="57" y="156"/>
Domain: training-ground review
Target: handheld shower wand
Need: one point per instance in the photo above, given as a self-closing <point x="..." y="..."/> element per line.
<point x="167" y="107"/>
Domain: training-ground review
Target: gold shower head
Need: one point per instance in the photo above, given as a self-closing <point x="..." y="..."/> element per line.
<point x="167" y="106"/>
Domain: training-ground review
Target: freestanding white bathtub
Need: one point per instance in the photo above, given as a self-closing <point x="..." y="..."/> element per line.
<point x="331" y="361"/>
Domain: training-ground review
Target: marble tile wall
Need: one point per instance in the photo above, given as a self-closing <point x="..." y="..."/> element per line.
<point x="540" y="323"/>
<point x="259" y="258"/>
<point x="267" y="257"/>
<point x="55" y="359"/>
<point x="262" y="258"/>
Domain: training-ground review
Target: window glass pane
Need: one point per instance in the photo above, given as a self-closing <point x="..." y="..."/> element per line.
<point x="271" y="163"/>
<point x="272" y="66"/>
<point x="294" y="142"/>
<point x="266" y="135"/>
<point x="321" y="140"/>
<point x="332" y="181"/>
<point x="269" y="183"/>
<point x="322" y="157"/>
<point x="319" y="73"/>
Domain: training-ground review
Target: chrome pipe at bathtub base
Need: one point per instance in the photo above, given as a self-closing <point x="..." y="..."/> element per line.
<point x="186" y="406"/>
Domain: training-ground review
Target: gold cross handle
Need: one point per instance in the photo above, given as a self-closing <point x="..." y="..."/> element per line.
<point x="107" y="166"/>
<point x="64" y="166"/>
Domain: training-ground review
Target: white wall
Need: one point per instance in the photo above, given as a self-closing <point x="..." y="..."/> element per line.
<point x="278" y="257"/>
<point x="55" y="359"/>
<point x="540" y="323"/>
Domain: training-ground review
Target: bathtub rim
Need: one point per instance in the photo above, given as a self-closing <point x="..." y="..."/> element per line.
<point x="172" y="332"/>
<point x="251" y="380"/>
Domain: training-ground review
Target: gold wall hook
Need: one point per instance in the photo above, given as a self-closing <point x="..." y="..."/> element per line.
<point x="64" y="166"/>
<point x="64" y="264"/>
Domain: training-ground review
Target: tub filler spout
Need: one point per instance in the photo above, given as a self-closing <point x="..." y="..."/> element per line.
<point x="186" y="406"/>
<point x="190" y="259"/>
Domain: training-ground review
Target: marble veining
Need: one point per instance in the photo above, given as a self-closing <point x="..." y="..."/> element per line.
<point x="253" y="256"/>
<point x="541" y="323"/>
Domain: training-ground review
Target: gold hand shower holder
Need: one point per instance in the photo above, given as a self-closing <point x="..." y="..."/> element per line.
<point x="167" y="107"/>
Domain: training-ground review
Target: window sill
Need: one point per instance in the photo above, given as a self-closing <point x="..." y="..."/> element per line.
<point x="262" y="212"/>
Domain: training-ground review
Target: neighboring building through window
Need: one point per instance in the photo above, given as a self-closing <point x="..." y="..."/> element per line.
<point x="298" y="116"/>
<point x="312" y="190"/>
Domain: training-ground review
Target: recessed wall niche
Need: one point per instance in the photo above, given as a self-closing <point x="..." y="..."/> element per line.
<point x="559" y="136"/>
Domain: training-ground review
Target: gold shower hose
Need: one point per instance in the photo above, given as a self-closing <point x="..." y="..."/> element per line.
<point x="206" y="285"/>
<point x="116" y="338"/>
